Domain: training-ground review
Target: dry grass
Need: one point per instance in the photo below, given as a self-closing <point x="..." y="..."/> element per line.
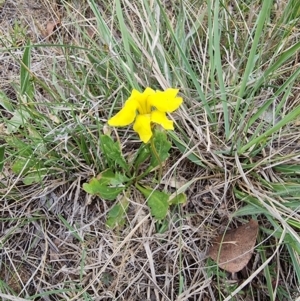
<point x="53" y="238"/>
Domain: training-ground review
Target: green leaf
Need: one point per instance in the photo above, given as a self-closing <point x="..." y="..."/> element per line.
<point x="178" y="199"/>
<point x="162" y="226"/>
<point x="27" y="87"/>
<point x="257" y="30"/>
<point x="2" y="151"/>
<point x="157" y="201"/>
<point x="286" y="189"/>
<point x="187" y="63"/>
<point x="161" y="148"/>
<point x="112" y="151"/>
<point x="288" y="169"/>
<point x="216" y="59"/>
<point x="184" y="149"/>
<point x="126" y="39"/>
<point x="111" y="178"/>
<point x="250" y="209"/>
<point x="291" y="116"/>
<point x="23" y="148"/>
<point x="19" y="118"/>
<point x="142" y="155"/>
<point x="117" y="214"/>
<point x="119" y="179"/>
<point x="295" y="260"/>
<point x="34" y="177"/>
<point x="5" y="102"/>
<point x="288" y="239"/>
<point x="22" y="164"/>
<point x="290" y="52"/>
<point x="95" y="187"/>
<point x="106" y="185"/>
<point x="72" y="230"/>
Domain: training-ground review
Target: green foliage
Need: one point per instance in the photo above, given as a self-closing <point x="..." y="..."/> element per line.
<point x="21" y="115"/>
<point x="157" y="201"/>
<point x="178" y="199"/>
<point x="235" y="63"/>
<point x="30" y="159"/>
<point x="5" y="102"/>
<point x="27" y="87"/>
<point x="160" y="150"/>
<point x="112" y="152"/>
<point x="117" y="214"/>
<point x="20" y="118"/>
<point x="143" y="153"/>
<point x="121" y="176"/>
<point x="107" y="185"/>
<point x="184" y="148"/>
<point x="29" y="156"/>
<point x="2" y="151"/>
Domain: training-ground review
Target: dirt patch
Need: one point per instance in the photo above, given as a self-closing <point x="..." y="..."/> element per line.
<point x="28" y="18"/>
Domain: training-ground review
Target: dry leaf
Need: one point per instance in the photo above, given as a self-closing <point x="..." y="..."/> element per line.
<point x="51" y="27"/>
<point x="91" y="31"/>
<point x="54" y="118"/>
<point x="233" y="250"/>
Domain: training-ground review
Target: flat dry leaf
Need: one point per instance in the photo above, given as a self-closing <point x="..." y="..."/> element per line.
<point x="233" y="250"/>
<point x="51" y="27"/>
<point x="91" y="31"/>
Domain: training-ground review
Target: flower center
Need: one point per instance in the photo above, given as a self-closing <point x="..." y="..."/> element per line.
<point x="144" y="106"/>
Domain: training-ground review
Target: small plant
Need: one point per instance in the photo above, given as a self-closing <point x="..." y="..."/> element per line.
<point x="146" y="110"/>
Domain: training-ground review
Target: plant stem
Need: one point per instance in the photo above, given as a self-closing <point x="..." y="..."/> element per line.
<point x="158" y="159"/>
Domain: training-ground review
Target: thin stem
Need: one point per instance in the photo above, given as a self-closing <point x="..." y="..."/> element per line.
<point x="158" y="159"/>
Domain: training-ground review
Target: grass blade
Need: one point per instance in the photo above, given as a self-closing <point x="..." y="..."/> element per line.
<point x="258" y="29"/>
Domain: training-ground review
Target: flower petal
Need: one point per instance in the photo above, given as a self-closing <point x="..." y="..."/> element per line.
<point x="166" y="101"/>
<point x="148" y="91"/>
<point x="142" y="126"/>
<point x="126" y="115"/>
<point x="144" y="105"/>
<point x="161" y="119"/>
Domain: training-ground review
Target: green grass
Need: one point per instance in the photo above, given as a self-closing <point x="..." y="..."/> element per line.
<point x="235" y="148"/>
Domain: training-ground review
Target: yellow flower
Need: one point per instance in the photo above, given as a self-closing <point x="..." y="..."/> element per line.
<point x="146" y="108"/>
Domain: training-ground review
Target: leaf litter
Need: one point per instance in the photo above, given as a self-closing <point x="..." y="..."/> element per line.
<point x="233" y="249"/>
